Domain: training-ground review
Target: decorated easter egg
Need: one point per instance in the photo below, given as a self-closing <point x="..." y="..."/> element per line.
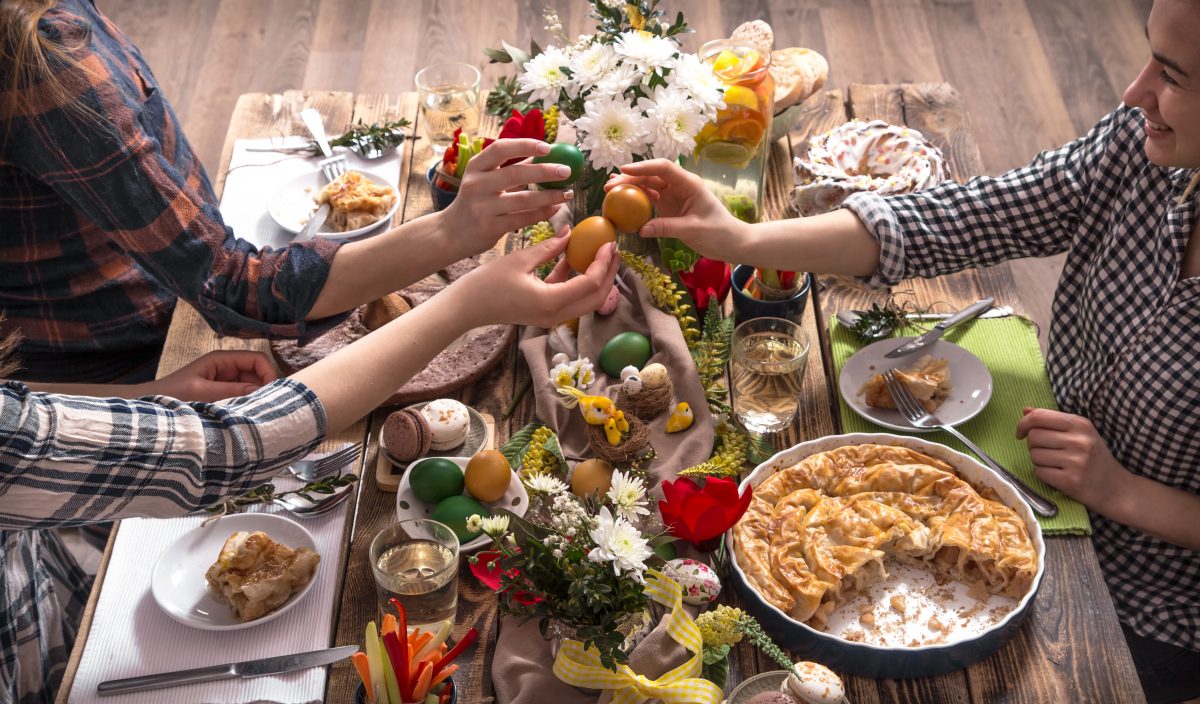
<point x="586" y="239"/>
<point x="654" y="376"/>
<point x="487" y="475"/>
<point x="610" y="302"/>
<point x="454" y="512"/>
<point x="435" y="479"/>
<point x="567" y="155"/>
<point x="591" y="477"/>
<point x="627" y="207"/>
<point x="628" y="348"/>
<point x="699" y="582"/>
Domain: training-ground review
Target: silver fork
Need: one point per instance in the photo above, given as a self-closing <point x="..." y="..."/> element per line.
<point x="313" y="469"/>
<point x="333" y="165"/>
<point x="921" y="418"/>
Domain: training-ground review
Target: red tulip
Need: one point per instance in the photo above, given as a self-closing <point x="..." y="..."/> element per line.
<point x="488" y="571"/>
<point x="531" y="125"/>
<point x="708" y="280"/>
<point x="699" y="515"/>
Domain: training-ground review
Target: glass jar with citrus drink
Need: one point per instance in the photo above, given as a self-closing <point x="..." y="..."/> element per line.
<point x="731" y="151"/>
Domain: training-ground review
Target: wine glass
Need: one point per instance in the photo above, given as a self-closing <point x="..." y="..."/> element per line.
<point x="449" y="95"/>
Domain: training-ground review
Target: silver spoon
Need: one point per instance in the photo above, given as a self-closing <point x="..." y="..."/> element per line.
<point x="849" y="318"/>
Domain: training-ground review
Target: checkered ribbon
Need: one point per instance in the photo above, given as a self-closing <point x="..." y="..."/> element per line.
<point x="582" y="668"/>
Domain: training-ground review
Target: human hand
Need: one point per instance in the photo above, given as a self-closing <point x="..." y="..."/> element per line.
<point x="494" y="199"/>
<point x="508" y="290"/>
<point x="1069" y="455"/>
<point x="215" y="376"/>
<point x="685" y="209"/>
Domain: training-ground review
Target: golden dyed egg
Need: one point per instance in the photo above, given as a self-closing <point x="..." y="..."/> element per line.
<point x="487" y="475"/>
<point x="627" y="207"/>
<point x="586" y="239"/>
<point x="591" y="477"/>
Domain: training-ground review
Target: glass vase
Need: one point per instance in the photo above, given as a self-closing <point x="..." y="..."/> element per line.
<point x="635" y="627"/>
<point x="731" y="151"/>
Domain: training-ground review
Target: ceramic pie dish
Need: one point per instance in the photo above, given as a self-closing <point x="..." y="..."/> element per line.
<point x="973" y="629"/>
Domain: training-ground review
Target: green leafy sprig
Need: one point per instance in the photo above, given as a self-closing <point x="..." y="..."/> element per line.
<point x="267" y="494"/>
<point x="710" y="354"/>
<point x="369" y="139"/>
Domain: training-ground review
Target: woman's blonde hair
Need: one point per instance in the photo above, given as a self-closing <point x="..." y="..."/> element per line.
<point x="8" y="351"/>
<point x="28" y="59"/>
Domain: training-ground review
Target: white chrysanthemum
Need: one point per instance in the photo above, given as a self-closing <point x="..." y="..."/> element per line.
<point x="585" y="373"/>
<point x="618" y="542"/>
<point x="697" y="78"/>
<point x="619" y="79"/>
<point x="628" y="496"/>
<point x="646" y="51"/>
<point x="474" y="523"/>
<point x="494" y="526"/>
<point x="673" y="120"/>
<point x="545" y="484"/>
<point x="612" y="131"/>
<point x="544" y="76"/>
<point x="563" y="374"/>
<point x="592" y="64"/>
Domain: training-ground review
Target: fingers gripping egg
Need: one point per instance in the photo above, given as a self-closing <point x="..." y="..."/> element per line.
<point x="627" y="207"/>
<point x="586" y="239"/>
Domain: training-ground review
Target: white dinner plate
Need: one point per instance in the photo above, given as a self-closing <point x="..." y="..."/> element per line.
<point x="969" y="378"/>
<point x="515" y="499"/>
<point x="178" y="583"/>
<point x="294" y="203"/>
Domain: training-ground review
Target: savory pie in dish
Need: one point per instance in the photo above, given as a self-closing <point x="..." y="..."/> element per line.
<point x="928" y="380"/>
<point x="256" y="575"/>
<point x="821" y="531"/>
<point x="355" y="201"/>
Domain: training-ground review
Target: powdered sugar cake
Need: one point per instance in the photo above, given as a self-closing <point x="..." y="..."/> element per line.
<point x="463" y="362"/>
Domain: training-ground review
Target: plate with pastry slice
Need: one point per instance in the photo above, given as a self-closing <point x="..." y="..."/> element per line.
<point x="359" y="202"/>
<point x="949" y="381"/>
<point x="236" y="572"/>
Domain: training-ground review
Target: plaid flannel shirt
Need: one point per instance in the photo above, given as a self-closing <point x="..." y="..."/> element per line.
<point x="71" y="460"/>
<point x="107" y="218"/>
<point x="1125" y="334"/>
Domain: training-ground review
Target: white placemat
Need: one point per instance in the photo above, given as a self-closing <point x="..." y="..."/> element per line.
<point x="131" y="635"/>
<point x="256" y="174"/>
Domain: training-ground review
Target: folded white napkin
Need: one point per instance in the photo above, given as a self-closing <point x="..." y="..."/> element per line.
<point x="131" y="635"/>
<point x="256" y="177"/>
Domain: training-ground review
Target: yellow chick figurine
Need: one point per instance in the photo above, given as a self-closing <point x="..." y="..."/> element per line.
<point x="615" y="427"/>
<point x="680" y="418"/>
<point x="596" y="410"/>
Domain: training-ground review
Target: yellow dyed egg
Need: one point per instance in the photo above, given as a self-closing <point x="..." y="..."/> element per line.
<point x="586" y="239"/>
<point x="487" y="475"/>
<point x="591" y="477"/>
<point x="627" y="207"/>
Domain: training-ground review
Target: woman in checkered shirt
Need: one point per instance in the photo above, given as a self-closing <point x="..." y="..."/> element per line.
<point x="68" y="460"/>
<point x="1125" y="334"/>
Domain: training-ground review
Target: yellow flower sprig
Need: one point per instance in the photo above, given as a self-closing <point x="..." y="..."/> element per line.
<point x="550" y="116"/>
<point x="665" y="293"/>
<point x="537" y="459"/>
<point x="720" y="626"/>
<point x="730" y="454"/>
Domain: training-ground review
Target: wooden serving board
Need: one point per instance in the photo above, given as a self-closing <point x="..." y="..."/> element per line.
<point x="387" y="475"/>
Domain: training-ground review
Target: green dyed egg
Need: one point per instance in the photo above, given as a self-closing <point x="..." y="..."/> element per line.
<point x="455" y="511"/>
<point x="623" y="350"/>
<point x="567" y="155"/>
<point x="435" y="479"/>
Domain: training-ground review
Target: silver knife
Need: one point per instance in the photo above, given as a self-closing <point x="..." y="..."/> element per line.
<point x="849" y="317"/>
<point x="933" y="335"/>
<point x="249" y="668"/>
<point x="314" y="223"/>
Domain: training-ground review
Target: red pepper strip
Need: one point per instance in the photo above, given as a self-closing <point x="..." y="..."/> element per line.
<point x="471" y="637"/>
<point x="395" y="648"/>
<point x="402" y="627"/>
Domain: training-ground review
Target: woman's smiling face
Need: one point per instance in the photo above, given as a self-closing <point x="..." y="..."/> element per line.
<point x="1168" y="88"/>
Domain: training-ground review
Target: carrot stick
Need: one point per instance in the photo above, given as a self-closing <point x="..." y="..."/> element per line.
<point x="389" y="624"/>
<point x="364" y="673"/>
<point x="422" y="637"/>
<point x="443" y="675"/>
<point x="421" y="688"/>
<point x="471" y="637"/>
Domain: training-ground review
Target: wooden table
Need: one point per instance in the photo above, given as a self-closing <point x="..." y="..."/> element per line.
<point x="1071" y="647"/>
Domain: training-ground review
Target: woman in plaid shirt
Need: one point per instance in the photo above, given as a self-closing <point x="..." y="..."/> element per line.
<point x="107" y="218"/>
<point x="68" y="460"/>
<point x="1125" y="334"/>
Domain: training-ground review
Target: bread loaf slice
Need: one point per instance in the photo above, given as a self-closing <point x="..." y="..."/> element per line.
<point x="757" y="34"/>
<point x="798" y="73"/>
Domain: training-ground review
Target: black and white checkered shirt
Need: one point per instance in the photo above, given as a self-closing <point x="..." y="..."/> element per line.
<point x="1125" y="336"/>
<point x="70" y="460"/>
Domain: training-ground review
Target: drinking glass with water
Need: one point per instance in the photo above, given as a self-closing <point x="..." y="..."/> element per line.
<point x="416" y="562"/>
<point x="769" y="358"/>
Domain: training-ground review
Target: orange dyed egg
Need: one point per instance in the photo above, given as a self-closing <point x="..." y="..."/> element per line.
<point x="627" y="207"/>
<point x="586" y="239"/>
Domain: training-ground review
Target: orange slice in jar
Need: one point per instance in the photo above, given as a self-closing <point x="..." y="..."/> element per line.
<point x="746" y="132"/>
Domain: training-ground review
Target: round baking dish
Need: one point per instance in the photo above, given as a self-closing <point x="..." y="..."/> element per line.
<point x="891" y="662"/>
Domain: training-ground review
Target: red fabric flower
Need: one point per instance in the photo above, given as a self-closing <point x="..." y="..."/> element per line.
<point x="699" y="514"/>
<point x="531" y="125"/>
<point x="708" y="279"/>
<point x="488" y="571"/>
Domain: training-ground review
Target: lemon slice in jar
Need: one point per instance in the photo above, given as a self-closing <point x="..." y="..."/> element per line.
<point x="740" y="95"/>
<point x="727" y="153"/>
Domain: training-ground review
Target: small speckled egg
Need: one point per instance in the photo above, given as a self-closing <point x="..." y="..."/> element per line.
<point x="609" y="306"/>
<point x="654" y="376"/>
<point x="699" y="582"/>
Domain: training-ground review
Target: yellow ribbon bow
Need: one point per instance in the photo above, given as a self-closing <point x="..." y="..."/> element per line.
<point x="582" y="668"/>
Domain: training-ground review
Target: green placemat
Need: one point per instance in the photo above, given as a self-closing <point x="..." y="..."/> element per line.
<point x="1009" y="348"/>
